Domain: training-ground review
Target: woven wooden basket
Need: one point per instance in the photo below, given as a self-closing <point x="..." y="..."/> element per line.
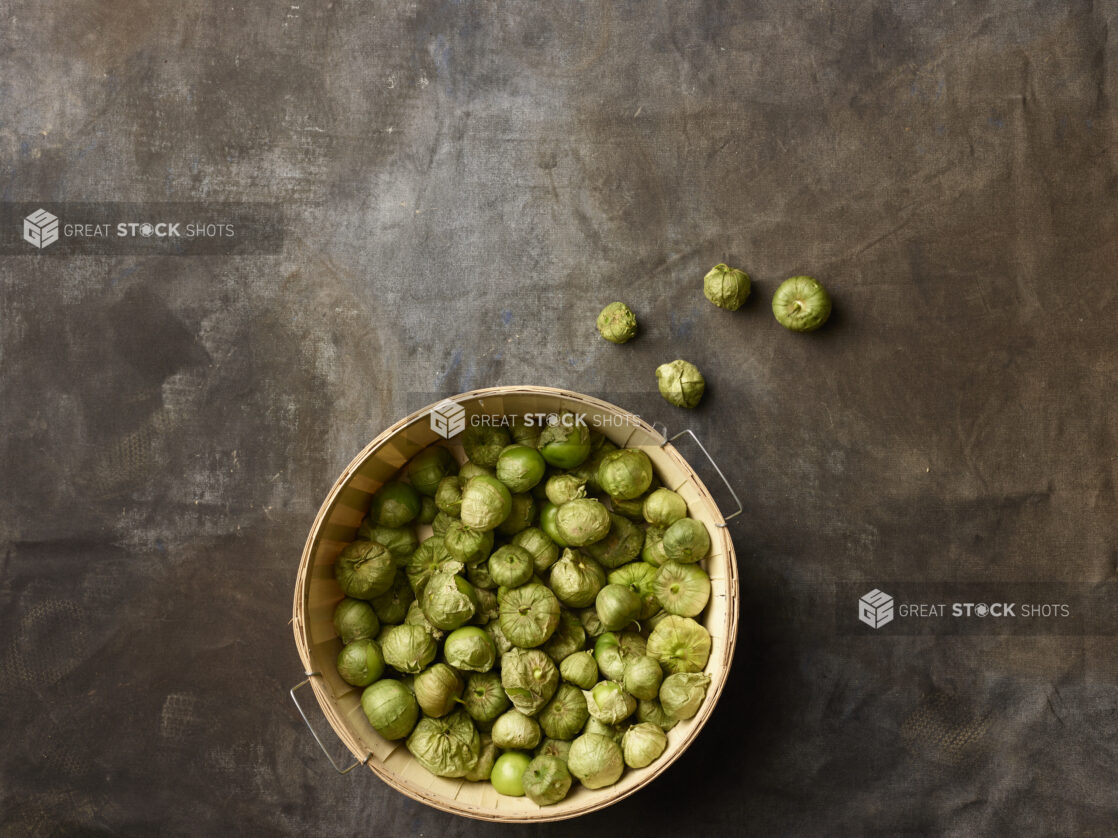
<point x="316" y="594"/>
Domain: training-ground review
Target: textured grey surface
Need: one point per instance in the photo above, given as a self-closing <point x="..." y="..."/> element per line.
<point x="465" y="185"/>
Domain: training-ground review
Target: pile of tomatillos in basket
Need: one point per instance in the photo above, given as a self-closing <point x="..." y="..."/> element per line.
<point x="546" y="631"/>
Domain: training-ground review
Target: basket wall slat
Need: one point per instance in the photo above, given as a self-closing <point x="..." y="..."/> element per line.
<point x="340" y="529"/>
<point x="378" y="470"/>
<point x="324" y="555"/>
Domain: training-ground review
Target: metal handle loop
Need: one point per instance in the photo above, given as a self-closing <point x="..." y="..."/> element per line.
<point x="307" y="722"/>
<point x="729" y="488"/>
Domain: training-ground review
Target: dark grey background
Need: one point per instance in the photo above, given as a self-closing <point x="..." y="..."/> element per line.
<point x="465" y="185"/>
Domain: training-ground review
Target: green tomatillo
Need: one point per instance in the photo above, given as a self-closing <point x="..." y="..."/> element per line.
<point x="565" y="442"/>
<point x="726" y="287"/>
<point x="617" y="323"/>
<point x="801" y="304"/>
<point x="680" y="383"/>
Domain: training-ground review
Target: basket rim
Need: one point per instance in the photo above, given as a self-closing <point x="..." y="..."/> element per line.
<point x="325" y="701"/>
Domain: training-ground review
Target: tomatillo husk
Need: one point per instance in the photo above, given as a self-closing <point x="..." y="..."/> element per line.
<point x="547" y="780"/>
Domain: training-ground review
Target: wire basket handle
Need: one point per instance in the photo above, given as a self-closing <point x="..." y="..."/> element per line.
<point x="691" y="433"/>
<point x="307" y="722"/>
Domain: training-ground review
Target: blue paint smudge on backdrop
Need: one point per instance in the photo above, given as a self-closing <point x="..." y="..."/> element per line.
<point x="681" y="327"/>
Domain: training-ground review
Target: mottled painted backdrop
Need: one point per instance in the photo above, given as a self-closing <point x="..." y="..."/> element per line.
<point x="465" y="184"/>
